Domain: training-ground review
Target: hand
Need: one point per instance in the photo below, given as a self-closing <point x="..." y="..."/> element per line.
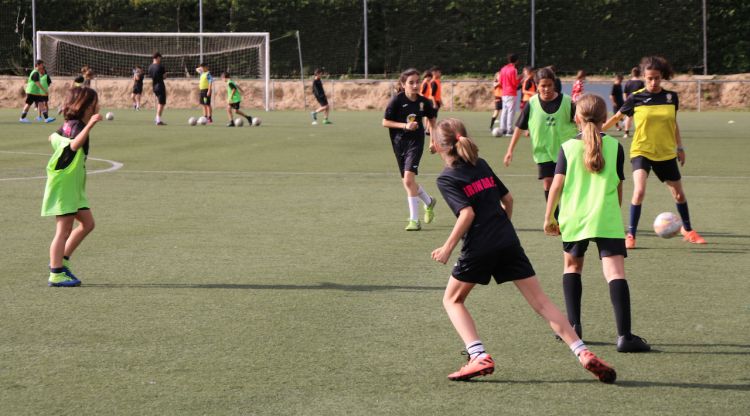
<point x="551" y="227"/>
<point x="441" y="254"/>
<point x="508" y="158"/>
<point x="433" y="149"/>
<point x="411" y="126"/>
<point x="95" y="119"/>
<point x="681" y="157"/>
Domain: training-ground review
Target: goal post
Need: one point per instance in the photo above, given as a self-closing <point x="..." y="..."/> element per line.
<point x="244" y="55"/>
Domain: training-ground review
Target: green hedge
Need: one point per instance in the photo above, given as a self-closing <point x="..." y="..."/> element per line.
<point x="470" y="36"/>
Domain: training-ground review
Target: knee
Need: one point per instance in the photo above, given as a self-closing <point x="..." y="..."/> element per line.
<point x="450" y="300"/>
<point x="409" y="181"/>
<point x="638" y="195"/>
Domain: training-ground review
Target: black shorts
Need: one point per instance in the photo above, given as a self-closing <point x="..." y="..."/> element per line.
<point x="161" y="94"/>
<point x="546" y="169"/>
<point x="608" y="247"/>
<point x="205" y="98"/>
<point x="322" y="100"/>
<point x="235" y="106"/>
<point x="505" y="265"/>
<point x="31" y="98"/>
<point x="498" y="103"/>
<point x="138" y="89"/>
<point x="665" y="170"/>
<point x="616" y="108"/>
<point x="408" y="154"/>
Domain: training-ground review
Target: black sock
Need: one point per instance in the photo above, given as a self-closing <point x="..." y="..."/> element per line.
<point x="492" y="123"/>
<point x="635" y="216"/>
<point x="23" y="114"/>
<point x="57" y="269"/>
<point x="685" y="215"/>
<point x="66" y="257"/>
<point x="44" y="113"/>
<point x="619" y="293"/>
<point x="573" y="290"/>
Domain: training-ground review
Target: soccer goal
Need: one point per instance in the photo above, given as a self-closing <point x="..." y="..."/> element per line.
<point x="114" y="54"/>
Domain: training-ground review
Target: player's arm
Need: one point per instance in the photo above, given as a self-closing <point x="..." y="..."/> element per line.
<point x="612" y="121"/>
<point x="465" y="218"/>
<point x="399" y="125"/>
<point x="512" y="145"/>
<point x="81" y="137"/>
<point x="433" y="124"/>
<point x="550" y="223"/>
<point x="507" y="203"/>
<point x="678" y="140"/>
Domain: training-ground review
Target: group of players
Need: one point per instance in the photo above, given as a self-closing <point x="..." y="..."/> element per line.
<point x="581" y="169"/>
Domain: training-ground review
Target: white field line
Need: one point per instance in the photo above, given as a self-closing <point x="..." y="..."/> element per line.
<point x="113" y="166"/>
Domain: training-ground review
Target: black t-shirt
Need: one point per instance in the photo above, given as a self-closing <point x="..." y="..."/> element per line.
<point x="156" y="72"/>
<point x="318" y="91"/>
<point x="562" y="161"/>
<point x="549" y="107"/>
<point x="464" y="185"/>
<point x="138" y="76"/>
<point x="70" y="129"/>
<point x="402" y="110"/>
<point x="617" y="93"/>
<point x="633" y="85"/>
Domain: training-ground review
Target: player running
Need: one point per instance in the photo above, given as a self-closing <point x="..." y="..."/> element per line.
<point x="233" y="100"/>
<point x="491" y="248"/>
<point x="320" y="96"/>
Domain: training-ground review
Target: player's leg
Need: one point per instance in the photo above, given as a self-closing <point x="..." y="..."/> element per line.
<point x="57" y="276"/>
<point x="640" y="177"/>
<point x="613" y="267"/>
<point x="538" y="300"/>
<point x="85" y="226"/>
<point x="27" y="105"/>
<point x="689" y="234"/>
<point x="573" y="257"/>
<point x="409" y="181"/>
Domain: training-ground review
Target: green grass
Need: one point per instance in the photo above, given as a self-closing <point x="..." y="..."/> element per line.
<point x="265" y="270"/>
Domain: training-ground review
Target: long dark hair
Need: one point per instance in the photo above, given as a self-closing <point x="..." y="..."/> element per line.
<point x="78" y="100"/>
<point x="452" y="134"/>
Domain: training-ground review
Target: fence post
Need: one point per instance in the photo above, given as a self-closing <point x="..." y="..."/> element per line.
<point x="333" y="94"/>
<point x="272" y="95"/>
<point x="700" y="92"/>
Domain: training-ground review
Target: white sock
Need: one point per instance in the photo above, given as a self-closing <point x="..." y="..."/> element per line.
<point x="475" y="349"/>
<point x="424" y="196"/>
<point x="578" y="347"/>
<point x="158" y="119"/>
<point x="413" y="207"/>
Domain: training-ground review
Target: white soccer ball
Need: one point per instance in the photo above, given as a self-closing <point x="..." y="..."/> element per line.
<point x="667" y="225"/>
<point x="192" y="121"/>
<point x="110" y="116"/>
<point x="496" y="132"/>
<point x="202" y="121"/>
<point x="314" y="123"/>
<point x="239" y="122"/>
<point x="256" y="121"/>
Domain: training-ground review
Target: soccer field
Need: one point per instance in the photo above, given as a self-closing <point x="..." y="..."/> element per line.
<point x="265" y="270"/>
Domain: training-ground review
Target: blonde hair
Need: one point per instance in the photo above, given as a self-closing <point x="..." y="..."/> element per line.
<point x="592" y="113"/>
<point x="452" y="134"/>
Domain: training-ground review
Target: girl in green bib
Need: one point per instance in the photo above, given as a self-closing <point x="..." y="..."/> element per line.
<point x="548" y="117"/>
<point x="65" y="192"/>
<point x="588" y="186"/>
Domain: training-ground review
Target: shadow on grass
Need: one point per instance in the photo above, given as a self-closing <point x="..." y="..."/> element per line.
<point x="627" y="384"/>
<point x="319" y="286"/>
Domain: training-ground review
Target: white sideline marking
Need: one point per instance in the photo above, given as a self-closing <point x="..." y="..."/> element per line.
<point x="114" y="166"/>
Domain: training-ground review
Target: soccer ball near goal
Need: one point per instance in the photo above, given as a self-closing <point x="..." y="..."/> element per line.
<point x="239" y="122"/>
<point x="667" y="225"/>
<point x="256" y="121"/>
<point x="110" y="116"/>
<point x="192" y="121"/>
<point x="496" y="132"/>
<point x="202" y="121"/>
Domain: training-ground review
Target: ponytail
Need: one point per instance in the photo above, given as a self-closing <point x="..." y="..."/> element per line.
<point x="592" y="113"/>
<point x="452" y="134"/>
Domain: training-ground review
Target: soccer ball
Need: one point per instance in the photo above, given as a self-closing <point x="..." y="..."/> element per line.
<point x="314" y="123"/>
<point x="256" y="121"/>
<point x="110" y="116"/>
<point x="202" y="121"/>
<point x="496" y="132"/>
<point x="667" y="225"/>
<point x="192" y="121"/>
<point x="239" y="121"/>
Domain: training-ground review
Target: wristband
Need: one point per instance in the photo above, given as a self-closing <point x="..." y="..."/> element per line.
<point x="680" y="149"/>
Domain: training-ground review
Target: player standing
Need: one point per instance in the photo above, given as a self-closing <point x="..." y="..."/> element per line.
<point x="491" y="248"/>
<point x="65" y="192"/>
<point x="205" y="85"/>
<point x="588" y="186"/>
<point x="37" y="92"/>
<point x="138" y="76"/>
<point x="616" y="97"/>
<point x="320" y="96"/>
<point x="509" y="84"/>
<point x="528" y="86"/>
<point x="497" y="93"/>
<point x="549" y="119"/>
<point x="403" y="118"/>
<point x="657" y="144"/>
<point x="578" y="85"/>
<point x="157" y="73"/>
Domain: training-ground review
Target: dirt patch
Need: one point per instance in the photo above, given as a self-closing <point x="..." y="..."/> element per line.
<point x="726" y="92"/>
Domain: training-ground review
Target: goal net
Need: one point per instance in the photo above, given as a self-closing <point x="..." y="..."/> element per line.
<point x="115" y="54"/>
